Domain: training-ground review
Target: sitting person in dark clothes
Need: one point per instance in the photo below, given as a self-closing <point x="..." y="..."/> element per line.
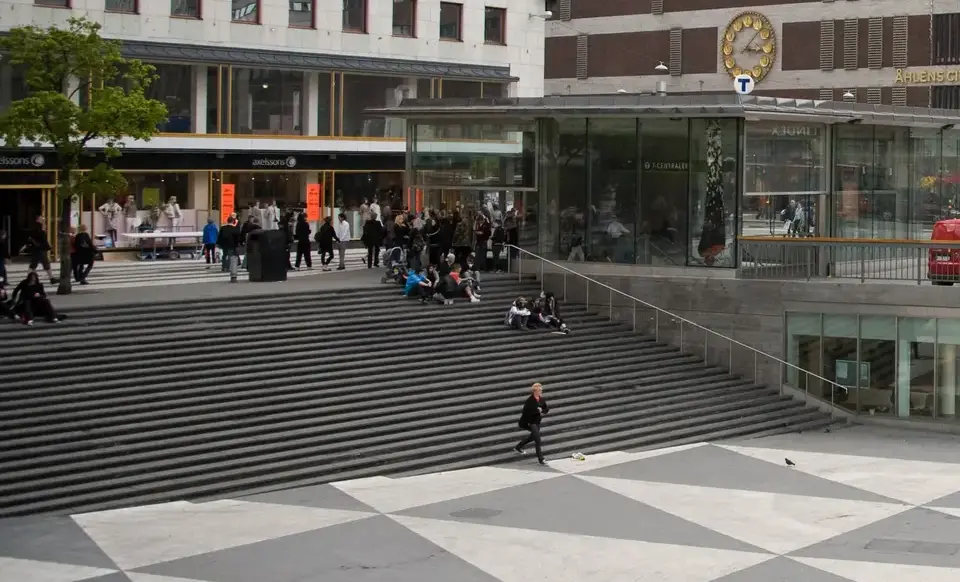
<point x="427" y="288"/>
<point x="6" y="306"/>
<point x="449" y="287"/>
<point x="518" y="315"/>
<point x="547" y="312"/>
<point x="30" y="300"/>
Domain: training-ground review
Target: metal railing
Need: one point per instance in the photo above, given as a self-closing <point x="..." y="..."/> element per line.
<point x="839" y="258"/>
<point x="661" y="318"/>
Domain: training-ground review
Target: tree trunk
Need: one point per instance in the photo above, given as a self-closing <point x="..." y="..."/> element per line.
<point x="66" y="271"/>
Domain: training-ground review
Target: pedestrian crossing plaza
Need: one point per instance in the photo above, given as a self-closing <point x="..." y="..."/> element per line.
<point x="856" y="506"/>
<point x="150" y="273"/>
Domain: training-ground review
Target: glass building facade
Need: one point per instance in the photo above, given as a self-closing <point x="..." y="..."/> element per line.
<point x="674" y="180"/>
<point x="903" y="367"/>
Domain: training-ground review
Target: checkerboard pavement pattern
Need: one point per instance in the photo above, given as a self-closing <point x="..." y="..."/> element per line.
<point x="734" y="512"/>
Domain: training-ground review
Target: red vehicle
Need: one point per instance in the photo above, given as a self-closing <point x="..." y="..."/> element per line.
<point x="943" y="265"/>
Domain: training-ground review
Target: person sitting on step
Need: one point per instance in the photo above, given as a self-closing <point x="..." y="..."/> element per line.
<point x="428" y="287"/>
<point x="547" y="312"/>
<point x="30" y="300"/>
<point x="518" y="315"/>
<point x="411" y="287"/>
<point x="471" y="275"/>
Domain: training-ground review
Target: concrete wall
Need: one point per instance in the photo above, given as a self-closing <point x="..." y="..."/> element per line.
<point x="749" y="311"/>
<point x="523" y="51"/>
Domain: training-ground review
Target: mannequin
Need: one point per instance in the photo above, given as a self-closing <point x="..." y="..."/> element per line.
<point x="172" y="210"/>
<point x="112" y="214"/>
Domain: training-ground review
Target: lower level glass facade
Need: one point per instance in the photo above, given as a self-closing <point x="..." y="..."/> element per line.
<point x="904" y="367"/>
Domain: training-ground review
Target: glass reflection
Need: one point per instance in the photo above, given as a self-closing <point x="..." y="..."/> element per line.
<point x="664" y="174"/>
<point x="713" y="192"/>
<point x="174" y="88"/>
<point x="613" y="212"/>
<point x="361" y="92"/>
<point x="492" y="155"/>
<point x="13" y="84"/>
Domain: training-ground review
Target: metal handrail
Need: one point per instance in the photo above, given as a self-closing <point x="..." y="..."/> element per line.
<point x="732" y="342"/>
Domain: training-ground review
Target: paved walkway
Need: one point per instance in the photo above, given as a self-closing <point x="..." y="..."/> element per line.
<point x="731" y="512"/>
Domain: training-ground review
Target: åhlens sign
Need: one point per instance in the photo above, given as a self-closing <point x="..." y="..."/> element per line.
<point x="927" y="76"/>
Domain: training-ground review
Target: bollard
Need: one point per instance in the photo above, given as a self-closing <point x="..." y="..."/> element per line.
<point x="233" y="268"/>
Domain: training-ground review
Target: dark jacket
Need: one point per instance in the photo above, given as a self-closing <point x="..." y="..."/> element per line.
<point x="445" y="235"/>
<point x="325" y="236"/>
<point x="532" y="411"/>
<point x="37" y="239"/>
<point x="499" y="236"/>
<point x="302" y="232"/>
<point x="481" y="234"/>
<point x="84" y="248"/>
<point x="372" y="233"/>
<point x="28" y="291"/>
<point x="229" y="237"/>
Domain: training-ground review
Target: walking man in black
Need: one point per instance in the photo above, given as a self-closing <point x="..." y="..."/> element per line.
<point x="302" y="236"/>
<point x="533" y="411"/>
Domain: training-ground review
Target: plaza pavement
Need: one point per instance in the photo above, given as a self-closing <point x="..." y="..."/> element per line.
<point x="861" y="504"/>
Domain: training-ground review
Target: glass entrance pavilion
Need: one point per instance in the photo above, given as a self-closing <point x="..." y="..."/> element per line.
<point x="673" y="180"/>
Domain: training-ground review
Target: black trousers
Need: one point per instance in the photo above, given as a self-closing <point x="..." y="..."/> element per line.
<point x="373" y="256"/>
<point x="80" y="269"/>
<point x="303" y="252"/>
<point x="30" y="308"/>
<point x="326" y="255"/>
<point x="533" y="437"/>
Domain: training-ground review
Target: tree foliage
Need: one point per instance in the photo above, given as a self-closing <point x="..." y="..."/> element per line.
<point x="84" y="99"/>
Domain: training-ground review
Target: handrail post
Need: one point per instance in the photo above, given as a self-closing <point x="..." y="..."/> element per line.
<point x="587" y="300"/>
<point x="610" y="305"/>
<point x="706" y="342"/>
<point x="541" y="275"/>
<point x="564" y="286"/>
<point x="634" y="317"/>
<point x="756" y="379"/>
<point x="656" y="325"/>
<point x="681" y="336"/>
<point x="509" y="256"/>
<point x="519" y="268"/>
<point x="730" y="356"/>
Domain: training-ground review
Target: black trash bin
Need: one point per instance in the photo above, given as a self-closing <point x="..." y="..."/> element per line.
<point x="267" y="256"/>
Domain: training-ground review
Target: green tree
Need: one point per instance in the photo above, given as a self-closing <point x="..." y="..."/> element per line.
<point x="61" y="65"/>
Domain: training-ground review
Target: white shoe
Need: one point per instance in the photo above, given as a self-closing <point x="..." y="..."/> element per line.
<point x="28" y="322"/>
<point x="474" y="299"/>
<point x="55" y="320"/>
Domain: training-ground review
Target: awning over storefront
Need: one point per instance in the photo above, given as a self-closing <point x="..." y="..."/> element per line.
<point x="260" y="58"/>
<point x="636" y="105"/>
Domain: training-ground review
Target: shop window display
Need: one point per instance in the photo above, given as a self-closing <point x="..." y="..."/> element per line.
<point x="713" y="192"/>
<point x="352" y="189"/>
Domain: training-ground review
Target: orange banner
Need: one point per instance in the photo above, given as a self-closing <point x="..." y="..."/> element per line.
<point x="313" y="202"/>
<point x="228" y="194"/>
<point x="418" y="204"/>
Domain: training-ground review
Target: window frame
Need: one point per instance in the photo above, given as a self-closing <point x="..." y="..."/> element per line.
<point x="459" y="37"/>
<point x="136" y="8"/>
<point x="197" y="16"/>
<point x="503" y="25"/>
<point x="413" y="21"/>
<point x="364" y="24"/>
<point x="313" y="18"/>
<point x="41" y="4"/>
<point x="257" y="22"/>
<point x="945" y="47"/>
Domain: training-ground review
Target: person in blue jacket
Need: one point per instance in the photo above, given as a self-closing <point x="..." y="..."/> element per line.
<point x="414" y="278"/>
<point x="210" y="235"/>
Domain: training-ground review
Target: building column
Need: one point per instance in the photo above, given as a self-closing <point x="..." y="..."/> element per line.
<point x="198" y="197"/>
<point x="198" y="113"/>
<point x="72" y="84"/>
<point x="902" y="400"/>
<point x="947" y="390"/>
<point x="311" y="117"/>
<point x="904" y="192"/>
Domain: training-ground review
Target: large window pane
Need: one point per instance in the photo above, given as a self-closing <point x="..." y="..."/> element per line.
<point x="185" y="8"/>
<point x="928" y="199"/>
<point x="664" y="174"/>
<point x="152" y="191"/>
<point x="950" y="176"/>
<point x="324" y="104"/>
<point x="255" y="187"/>
<point x="54" y="3"/>
<point x="785" y="173"/>
<point x="461" y="89"/>
<point x="174" y="88"/>
<point x="948" y="358"/>
<point x="351" y="190"/>
<point x="877" y="377"/>
<point x="495" y="155"/>
<point x="916" y="360"/>
<point x="405" y="17"/>
<point x="713" y="192"/>
<point x="613" y="224"/>
<point x="13" y="84"/>
<point x="302" y="13"/>
<point x="872" y="167"/>
<point x="246" y="11"/>
<point x="355" y="15"/>
<point x="366" y="91"/>
<point x="217" y="102"/>
<point x="495" y="90"/>
<point x="451" y="17"/>
<point x="803" y="351"/>
<point x="570" y="163"/>
<point x="267" y="102"/>
<point x="840" y="363"/>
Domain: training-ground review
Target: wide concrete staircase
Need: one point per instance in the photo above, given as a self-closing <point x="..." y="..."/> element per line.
<point x="146" y="403"/>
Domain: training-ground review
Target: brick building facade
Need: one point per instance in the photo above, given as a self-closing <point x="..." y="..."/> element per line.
<point x="897" y="52"/>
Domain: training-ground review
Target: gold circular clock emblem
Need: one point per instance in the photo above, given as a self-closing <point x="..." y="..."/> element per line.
<point x="748" y="46"/>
